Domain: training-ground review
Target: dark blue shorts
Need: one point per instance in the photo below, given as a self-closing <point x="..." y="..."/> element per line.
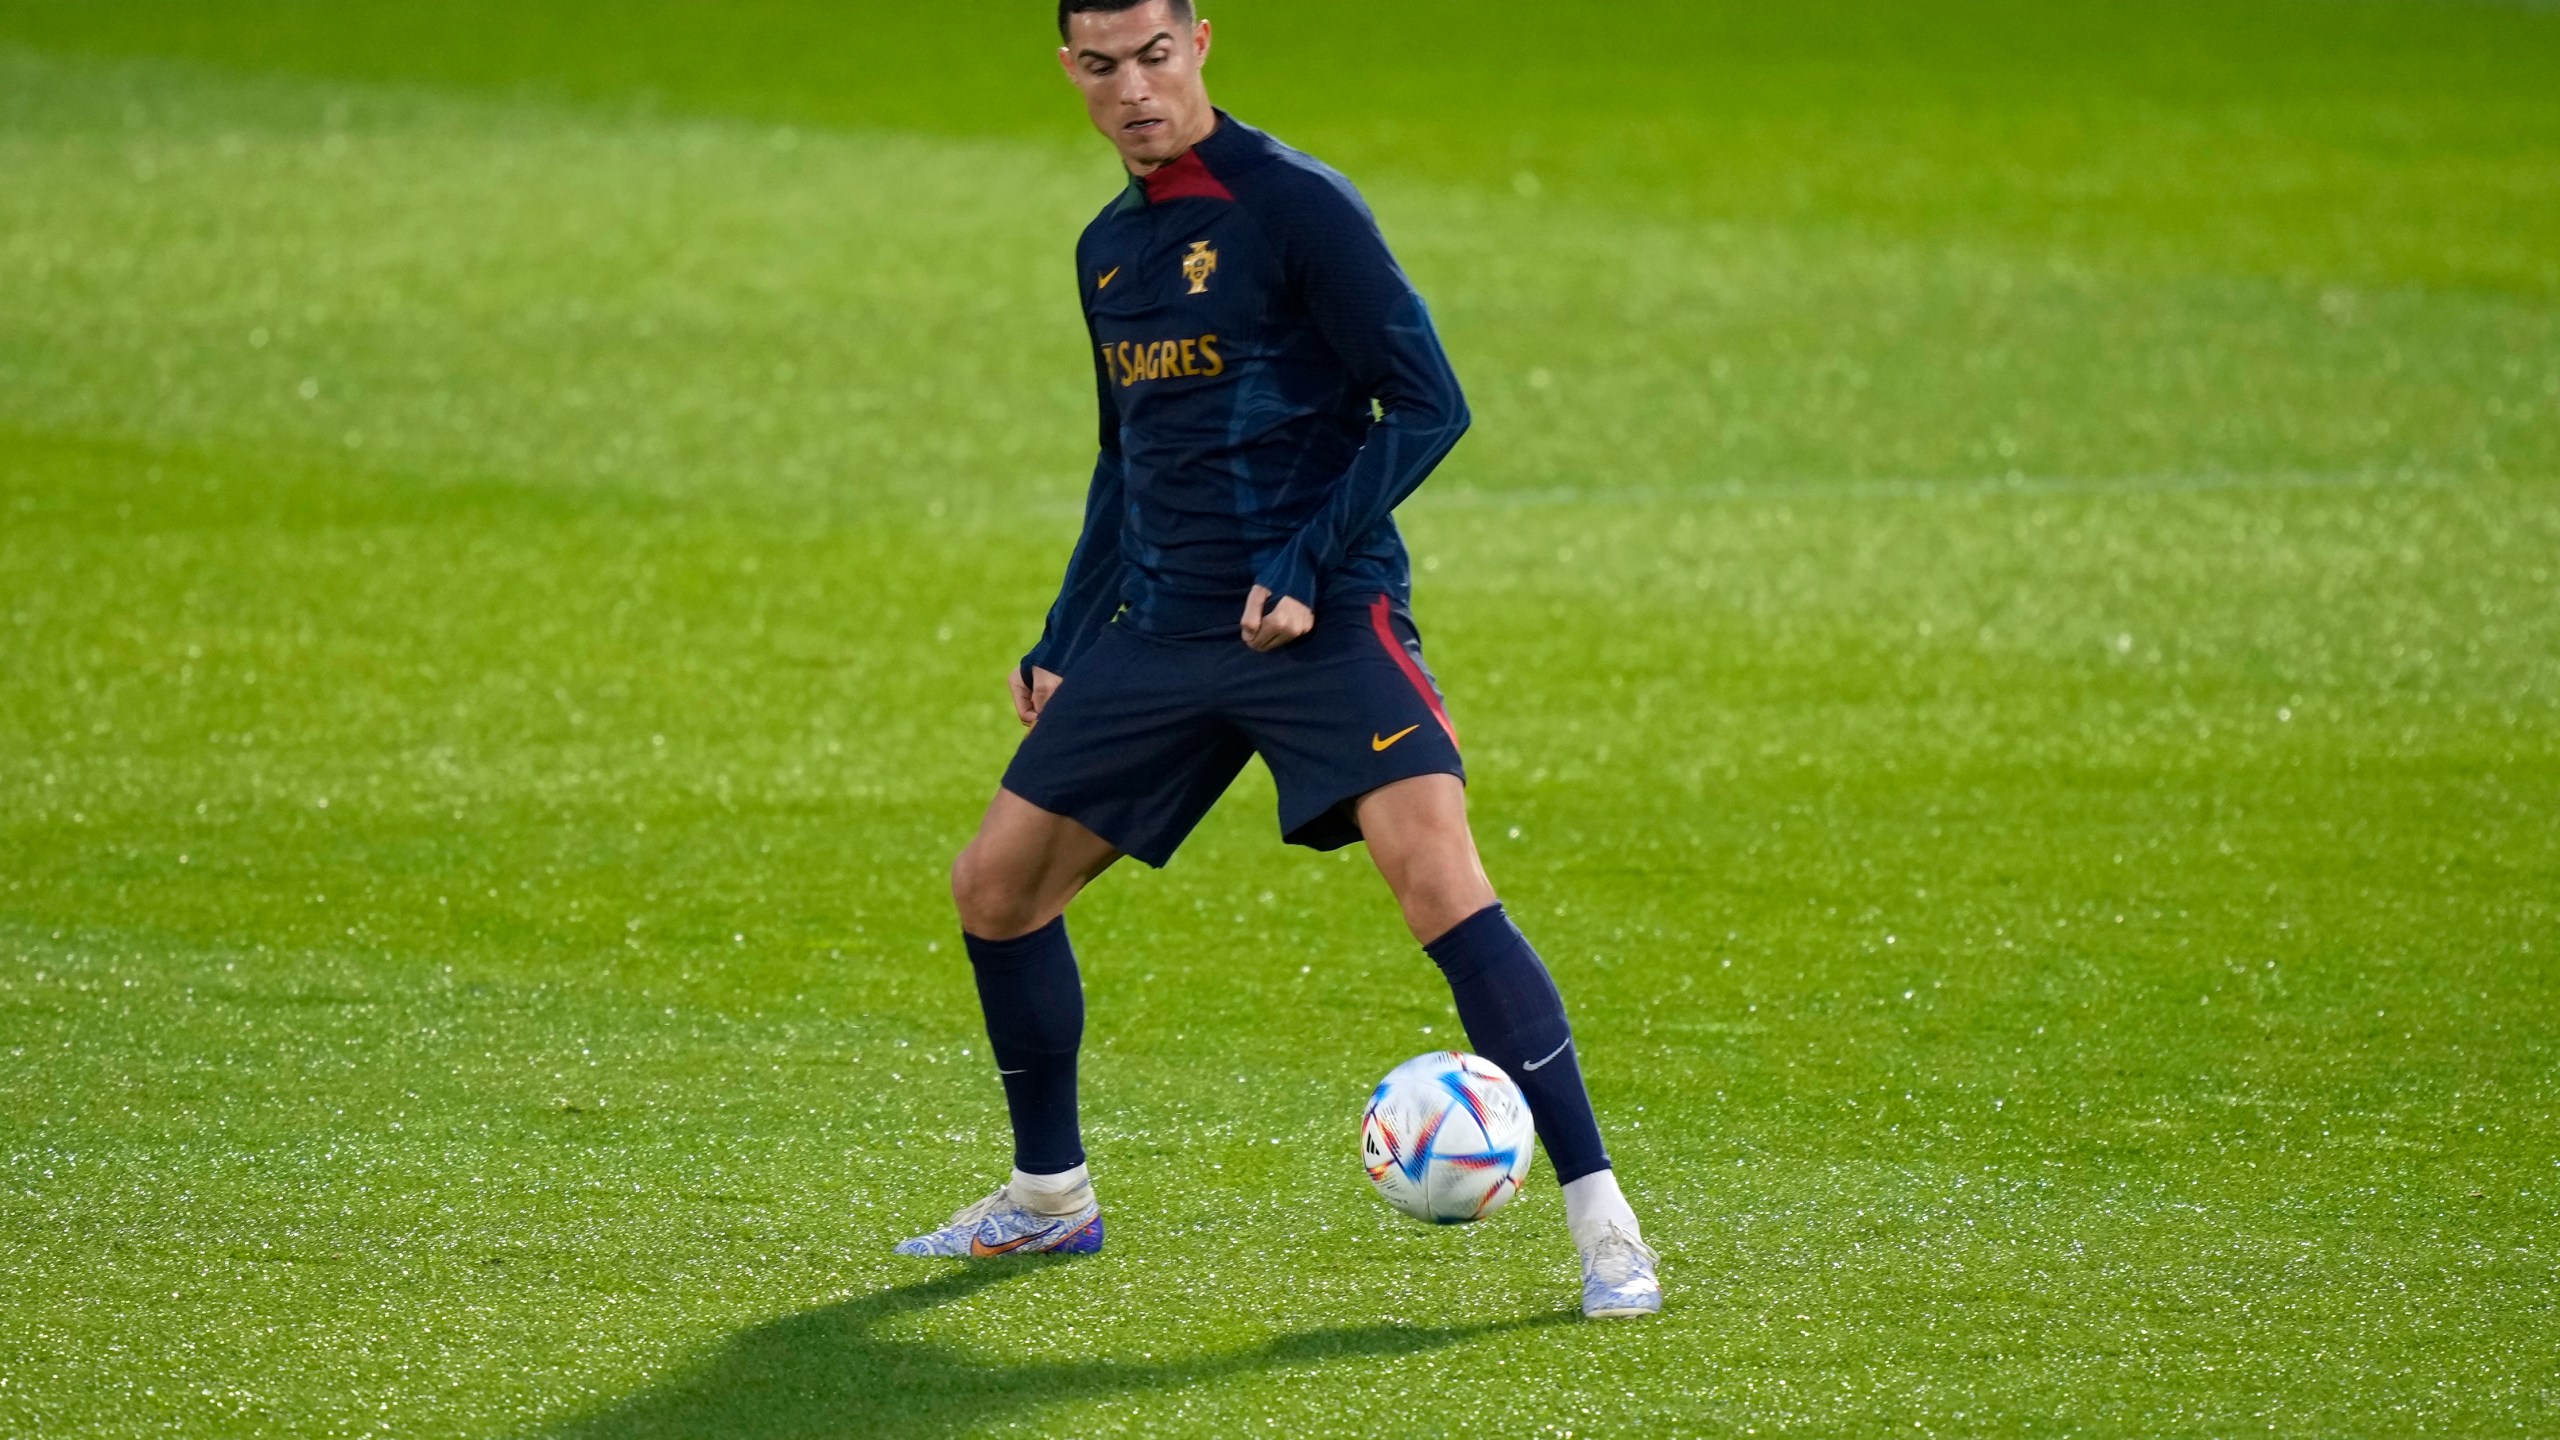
<point x="1144" y="733"/>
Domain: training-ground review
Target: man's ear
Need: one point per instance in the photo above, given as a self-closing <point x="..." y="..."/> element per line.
<point x="1200" y="39"/>
<point x="1067" y="61"/>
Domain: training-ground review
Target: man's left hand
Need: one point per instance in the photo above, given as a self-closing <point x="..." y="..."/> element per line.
<point x="1287" y="620"/>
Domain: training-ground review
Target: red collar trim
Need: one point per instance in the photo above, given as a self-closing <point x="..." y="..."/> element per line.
<point x="1185" y="179"/>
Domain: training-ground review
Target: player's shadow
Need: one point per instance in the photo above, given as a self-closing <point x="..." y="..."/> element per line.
<point x="829" y="1374"/>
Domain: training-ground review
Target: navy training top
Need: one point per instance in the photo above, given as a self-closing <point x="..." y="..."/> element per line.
<point x="1245" y="313"/>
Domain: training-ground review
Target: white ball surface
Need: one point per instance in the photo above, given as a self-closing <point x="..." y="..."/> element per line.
<point x="1447" y="1137"/>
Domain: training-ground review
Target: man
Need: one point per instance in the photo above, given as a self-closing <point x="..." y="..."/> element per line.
<point x="1239" y="588"/>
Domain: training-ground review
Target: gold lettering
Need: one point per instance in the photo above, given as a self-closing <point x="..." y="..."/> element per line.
<point x="1129" y="363"/>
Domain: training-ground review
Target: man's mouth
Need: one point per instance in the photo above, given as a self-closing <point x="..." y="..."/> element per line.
<point x="1146" y="126"/>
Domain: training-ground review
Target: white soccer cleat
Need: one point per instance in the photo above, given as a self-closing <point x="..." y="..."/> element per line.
<point x="1618" y="1279"/>
<point x="998" y="1226"/>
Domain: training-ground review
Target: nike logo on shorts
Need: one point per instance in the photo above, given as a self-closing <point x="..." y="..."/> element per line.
<point x="1377" y="744"/>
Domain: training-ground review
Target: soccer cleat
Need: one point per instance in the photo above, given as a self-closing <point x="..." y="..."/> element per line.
<point x="1617" y="1278"/>
<point x="997" y="1226"/>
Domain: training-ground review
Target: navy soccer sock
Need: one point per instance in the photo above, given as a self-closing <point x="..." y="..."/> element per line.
<point x="1515" y="1018"/>
<point x="1034" y="1004"/>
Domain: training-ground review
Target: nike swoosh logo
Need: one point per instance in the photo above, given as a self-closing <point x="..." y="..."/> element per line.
<point x="1377" y="744"/>
<point x="1550" y="1055"/>
<point x="1023" y="1071"/>
<point x="981" y="1248"/>
<point x="1105" y="282"/>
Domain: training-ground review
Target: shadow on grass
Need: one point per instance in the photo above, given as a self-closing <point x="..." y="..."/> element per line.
<point x="826" y="1373"/>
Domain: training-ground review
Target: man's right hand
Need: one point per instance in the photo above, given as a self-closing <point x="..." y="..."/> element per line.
<point x="1030" y="697"/>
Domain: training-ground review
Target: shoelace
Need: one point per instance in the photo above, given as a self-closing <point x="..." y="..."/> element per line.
<point x="970" y="1215"/>
<point x="1613" y="1260"/>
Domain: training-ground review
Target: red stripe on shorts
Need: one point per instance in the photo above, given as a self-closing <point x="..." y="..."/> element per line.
<point x="1379" y="611"/>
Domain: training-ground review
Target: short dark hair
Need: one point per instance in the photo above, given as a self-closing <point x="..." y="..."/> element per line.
<point x="1181" y="10"/>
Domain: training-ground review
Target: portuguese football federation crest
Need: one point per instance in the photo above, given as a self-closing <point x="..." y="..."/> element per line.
<point x="1199" y="265"/>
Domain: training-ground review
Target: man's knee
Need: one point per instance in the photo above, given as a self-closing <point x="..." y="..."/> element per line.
<point x="993" y="904"/>
<point x="1418" y="837"/>
<point x="1435" y="898"/>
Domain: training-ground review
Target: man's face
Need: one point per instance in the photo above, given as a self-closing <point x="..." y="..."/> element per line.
<point x="1139" y="70"/>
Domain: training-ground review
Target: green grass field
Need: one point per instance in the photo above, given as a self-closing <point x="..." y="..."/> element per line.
<point x="2004" y="597"/>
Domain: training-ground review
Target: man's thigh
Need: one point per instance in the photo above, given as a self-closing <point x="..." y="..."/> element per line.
<point x="1023" y="868"/>
<point x="1039" y="847"/>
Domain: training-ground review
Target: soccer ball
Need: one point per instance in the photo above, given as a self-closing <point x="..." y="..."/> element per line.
<point x="1447" y="1138"/>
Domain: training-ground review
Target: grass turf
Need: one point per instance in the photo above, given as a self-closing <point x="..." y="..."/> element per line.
<point x="2001" y="601"/>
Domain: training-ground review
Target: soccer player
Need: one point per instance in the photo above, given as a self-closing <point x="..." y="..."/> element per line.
<point x="1240" y="589"/>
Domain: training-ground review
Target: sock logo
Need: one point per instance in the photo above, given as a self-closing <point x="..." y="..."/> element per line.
<point x="1550" y="1055"/>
